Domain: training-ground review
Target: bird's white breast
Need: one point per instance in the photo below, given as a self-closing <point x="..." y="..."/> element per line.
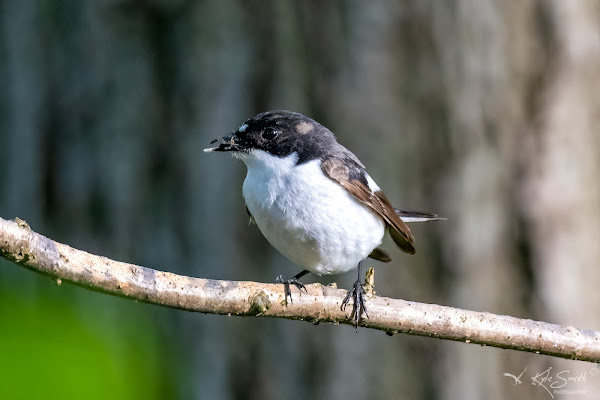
<point x="308" y="217"/>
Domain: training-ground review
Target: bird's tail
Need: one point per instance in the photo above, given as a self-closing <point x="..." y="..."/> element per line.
<point x="417" y="216"/>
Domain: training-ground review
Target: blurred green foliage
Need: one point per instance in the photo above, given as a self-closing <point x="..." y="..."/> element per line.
<point x="49" y="349"/>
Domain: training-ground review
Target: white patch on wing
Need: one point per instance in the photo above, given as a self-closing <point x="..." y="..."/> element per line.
<point x="243" y="128"/>
<point x="309" y="218"/>
<point x="372" y="185"/>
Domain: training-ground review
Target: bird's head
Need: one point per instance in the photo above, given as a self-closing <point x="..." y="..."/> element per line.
<point x="278" y="133"/>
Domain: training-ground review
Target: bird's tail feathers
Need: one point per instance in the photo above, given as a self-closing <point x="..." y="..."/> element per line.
<point x="417" y="216"/>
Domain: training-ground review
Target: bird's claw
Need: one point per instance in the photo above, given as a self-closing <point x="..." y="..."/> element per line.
<point x="358" y="308"/>
<point x="286" y="286"/>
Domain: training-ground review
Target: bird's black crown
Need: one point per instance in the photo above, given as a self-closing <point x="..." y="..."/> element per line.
<point x="282" y="133"/>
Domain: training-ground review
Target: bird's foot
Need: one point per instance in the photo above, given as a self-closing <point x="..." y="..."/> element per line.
<point x="358" y="308"/>
<point x="286" y="286"/>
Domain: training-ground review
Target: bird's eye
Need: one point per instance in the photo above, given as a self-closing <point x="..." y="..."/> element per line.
<point x="269" y="134"/>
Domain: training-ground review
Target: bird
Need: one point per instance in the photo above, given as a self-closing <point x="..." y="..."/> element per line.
<point x="313" y="200"/>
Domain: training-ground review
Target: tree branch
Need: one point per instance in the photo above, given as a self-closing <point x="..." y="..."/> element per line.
<point x="18" y="243"/>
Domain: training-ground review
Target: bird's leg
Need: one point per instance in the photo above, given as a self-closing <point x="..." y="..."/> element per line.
<point x="358" y="295"/>
<point x="293" y="281"/>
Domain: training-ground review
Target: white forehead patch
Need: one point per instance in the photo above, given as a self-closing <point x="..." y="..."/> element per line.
<point x="243" y="128"/>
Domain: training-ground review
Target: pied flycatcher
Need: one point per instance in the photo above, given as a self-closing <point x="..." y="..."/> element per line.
<point x="313" y="199"/>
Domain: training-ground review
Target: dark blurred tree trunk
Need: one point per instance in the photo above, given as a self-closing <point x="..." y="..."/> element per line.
<point x="562" y="191"/>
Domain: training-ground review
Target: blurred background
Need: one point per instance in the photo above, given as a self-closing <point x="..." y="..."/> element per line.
<point x="486" y="112"/>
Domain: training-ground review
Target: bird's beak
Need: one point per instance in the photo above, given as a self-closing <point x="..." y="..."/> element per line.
<point x="226" y="143"/>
